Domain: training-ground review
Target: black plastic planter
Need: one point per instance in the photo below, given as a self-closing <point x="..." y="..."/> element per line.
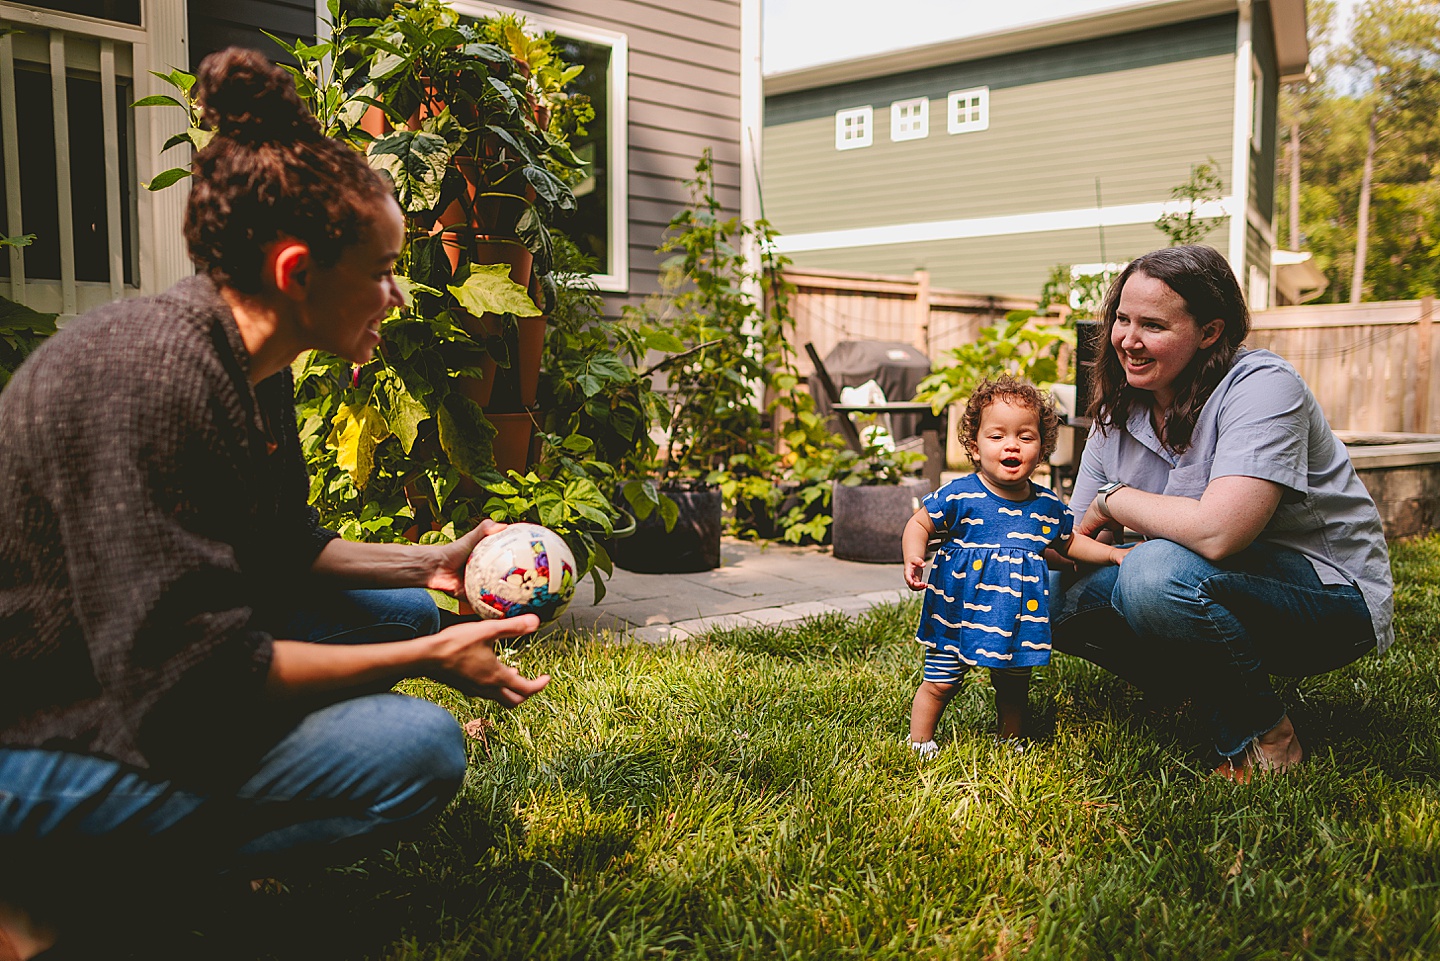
<point x="693" y="545"/>
<point x="869" y="521"/>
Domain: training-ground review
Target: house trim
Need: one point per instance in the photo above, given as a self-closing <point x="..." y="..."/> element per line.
<point x="1241" y="133"/>
<point x="1039" y="222"/>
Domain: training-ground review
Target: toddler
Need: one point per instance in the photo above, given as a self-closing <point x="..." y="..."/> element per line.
<point x="987" y="600"/>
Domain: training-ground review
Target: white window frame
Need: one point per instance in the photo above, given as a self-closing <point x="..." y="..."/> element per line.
<point x="616" y="277"/>
<point x="954" y="124"/>
<point x="158" y="41"/>
<point x="842" y="142"/>
<point x="912" y="127"/>
<point x="1257" y="104"/>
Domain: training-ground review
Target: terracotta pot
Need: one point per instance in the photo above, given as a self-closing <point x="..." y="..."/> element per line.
<point x="487" y="250"/>
<point x="529" y="357"/>
<point x="512" y="440"/>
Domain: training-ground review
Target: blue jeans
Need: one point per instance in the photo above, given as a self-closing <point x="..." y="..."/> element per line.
<point x="346" y="776"/>
<point x="1173" y="623"/>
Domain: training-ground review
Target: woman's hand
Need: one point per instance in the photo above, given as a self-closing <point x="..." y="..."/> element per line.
<point x="466" y="660"/>
<point x="1094" y="522"/>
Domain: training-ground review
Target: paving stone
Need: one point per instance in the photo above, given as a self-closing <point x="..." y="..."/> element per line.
<point x="683" y="602"/>
<point x="659" y="634"/>
<point x="593" y="619"/>
<point x="806" y="609"/>
<point x="848" y="605"/>
<point x="773" y="616"/>
<point x="885" y="597"/>
<point x="718" y="622"/>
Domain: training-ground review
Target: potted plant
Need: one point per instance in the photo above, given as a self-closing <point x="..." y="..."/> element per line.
<point x="723" y="349"/>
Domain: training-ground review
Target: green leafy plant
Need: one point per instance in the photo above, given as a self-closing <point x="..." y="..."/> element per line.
<point x="1186" y="226"/>
<point x="22" y="328"/>
<point x="1016" y="346"/>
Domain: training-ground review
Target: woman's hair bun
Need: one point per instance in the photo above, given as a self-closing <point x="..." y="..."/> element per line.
<point x="249" y="100"/>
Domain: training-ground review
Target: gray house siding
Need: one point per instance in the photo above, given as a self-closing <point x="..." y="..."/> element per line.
<point x="1065" y="124"/>
<point x="684" y="88"/>
<point x="684" y="95"/>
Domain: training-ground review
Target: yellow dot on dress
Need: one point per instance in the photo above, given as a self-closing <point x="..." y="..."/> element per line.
<point x="978" y="564"/>
<point x="1032" y="604"/>
<point x="1045" y="529"/>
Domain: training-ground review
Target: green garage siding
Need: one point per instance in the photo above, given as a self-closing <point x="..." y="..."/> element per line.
<point x="1016" y="265"/>
<point x="1046" y="145"/>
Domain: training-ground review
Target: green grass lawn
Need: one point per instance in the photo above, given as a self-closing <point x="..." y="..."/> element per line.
<point x="748" y="795"/>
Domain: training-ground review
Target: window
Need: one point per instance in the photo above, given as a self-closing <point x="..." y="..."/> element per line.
<point x="600" y="225"/>
<point x="853" y="128"/>
<point x="910" y="119"/>
<point x="969" y="110"/>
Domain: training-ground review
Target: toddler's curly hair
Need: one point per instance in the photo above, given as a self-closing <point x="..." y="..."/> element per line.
<point x="1012" y="390"/>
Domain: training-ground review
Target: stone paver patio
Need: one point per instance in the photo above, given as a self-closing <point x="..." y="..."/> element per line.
<point x="755" y="584"/>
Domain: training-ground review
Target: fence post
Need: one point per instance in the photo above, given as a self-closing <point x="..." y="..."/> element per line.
<point x="922" y="311"/>
<point x="1422" y="366"/>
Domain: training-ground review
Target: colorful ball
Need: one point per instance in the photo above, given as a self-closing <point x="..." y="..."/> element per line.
<point x="524" y="569"/>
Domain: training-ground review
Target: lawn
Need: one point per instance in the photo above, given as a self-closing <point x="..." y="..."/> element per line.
<point x="748" y="795"/>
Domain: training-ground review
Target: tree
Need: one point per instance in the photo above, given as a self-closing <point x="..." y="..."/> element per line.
<point x="1395" y="44"/>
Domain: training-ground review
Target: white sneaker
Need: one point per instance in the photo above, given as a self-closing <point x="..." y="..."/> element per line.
<point x="927" y="750"/>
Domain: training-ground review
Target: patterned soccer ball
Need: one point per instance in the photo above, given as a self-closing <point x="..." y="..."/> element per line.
<point x="524" y="569"/>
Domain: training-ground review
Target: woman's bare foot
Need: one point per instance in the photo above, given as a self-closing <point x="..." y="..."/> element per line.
<point x="21" y="937"/>
<point x="1278" y="749"/>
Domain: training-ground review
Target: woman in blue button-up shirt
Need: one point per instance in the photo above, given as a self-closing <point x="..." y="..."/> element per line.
<point x="1263" y="552"/>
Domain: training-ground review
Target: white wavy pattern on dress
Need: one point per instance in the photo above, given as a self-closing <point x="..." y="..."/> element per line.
<point x="966" y="496"/>
<point x="976" y="607"/>
<point x="999" y="588"/>
<point x="977" y="521"/>
<point x="986" y="546"/>
<point x="1010" y="513"/>
<point x="995" y="654"/>
<point x="1026" y="578"/>
<point x="935" y="590"/>
<point x="963" y="625"/>
<point x="1043" y="519"/>
<point x="1019" y="536"/>
<point x="1035" y="619"/>
<point x="1035" y="647"/>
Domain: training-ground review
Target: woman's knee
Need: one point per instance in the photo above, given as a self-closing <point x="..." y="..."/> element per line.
<point x="415" y="606"/>
<point x="1158" y="580"/>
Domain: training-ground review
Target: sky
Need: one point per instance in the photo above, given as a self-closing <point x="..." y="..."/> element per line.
<point x="801" y="33"/>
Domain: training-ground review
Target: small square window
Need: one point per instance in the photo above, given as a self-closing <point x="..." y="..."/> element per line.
<point x="853" y="128"/>
<point x="969" y="110"/>
<point x="910" y="119"/>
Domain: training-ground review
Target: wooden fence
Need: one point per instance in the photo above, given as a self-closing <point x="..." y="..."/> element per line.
<point x="831" y="306"/>
<point x="1370" y="365"/>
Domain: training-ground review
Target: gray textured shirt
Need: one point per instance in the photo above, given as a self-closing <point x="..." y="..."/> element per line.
<point x="148" y="495"/>
<point x="1262" y="421"/>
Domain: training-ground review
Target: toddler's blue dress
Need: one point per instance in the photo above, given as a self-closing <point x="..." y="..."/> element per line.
<point x="988" y="598"/>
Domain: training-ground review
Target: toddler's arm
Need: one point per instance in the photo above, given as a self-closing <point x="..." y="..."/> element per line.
<point x="918" y="531"/>
<point x="1087" y="550"/>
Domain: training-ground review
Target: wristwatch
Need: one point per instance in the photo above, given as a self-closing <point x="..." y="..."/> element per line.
<point x="1102" y="497"/>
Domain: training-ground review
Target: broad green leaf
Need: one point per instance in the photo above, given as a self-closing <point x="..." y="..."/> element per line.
<point x="467" y="438"/>
<point x="23" y="240"/>
<point x="406" y="413"/>
<point x="159" y="100"/>
<point x="166" y="178"/>
<point x="489" y="290"/>
<point x="361" y="428"/>
<point x="416" y="163"/>
<point x="669" y="512"/>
